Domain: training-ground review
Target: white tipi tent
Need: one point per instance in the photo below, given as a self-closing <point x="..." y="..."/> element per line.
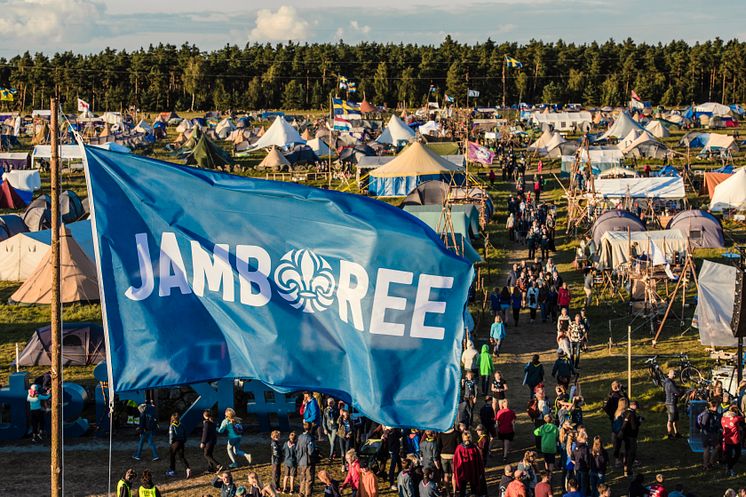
<point x="280" y="134"/>
<point x="657" y="129"/>
<point x="320" y="148"/>
<point x="731" y="193"/>
<point x="396" y="132"/>
<point x="621" y="127"/>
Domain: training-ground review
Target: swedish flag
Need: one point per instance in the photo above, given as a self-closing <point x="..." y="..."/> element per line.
<point x="7" y="94"/>
<point x="511" y="62"/>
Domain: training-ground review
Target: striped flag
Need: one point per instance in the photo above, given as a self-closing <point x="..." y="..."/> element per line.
<point x="83" y="105"/>
<point x="511" y="62"/>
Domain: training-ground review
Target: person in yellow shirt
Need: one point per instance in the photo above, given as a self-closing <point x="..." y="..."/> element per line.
<point x="147" y="487"/>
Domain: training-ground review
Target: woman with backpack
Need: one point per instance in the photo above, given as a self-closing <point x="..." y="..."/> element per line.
<point x="176" y="440"/>
<point x="232" y="425"/>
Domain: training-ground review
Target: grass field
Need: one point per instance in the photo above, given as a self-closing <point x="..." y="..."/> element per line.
<point x="86" y="468"/>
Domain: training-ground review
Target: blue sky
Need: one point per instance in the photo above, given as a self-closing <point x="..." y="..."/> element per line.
<point x="91" y="25"/>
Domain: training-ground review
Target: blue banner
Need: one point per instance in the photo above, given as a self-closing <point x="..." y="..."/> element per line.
<point x="206" y="275"/>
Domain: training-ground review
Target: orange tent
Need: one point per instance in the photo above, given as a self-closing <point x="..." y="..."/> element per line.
<point x="365" y="107"/>
<point x="714" y="179"/>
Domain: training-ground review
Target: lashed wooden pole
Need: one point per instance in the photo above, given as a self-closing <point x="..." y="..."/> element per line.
<point x="56" y="318"/>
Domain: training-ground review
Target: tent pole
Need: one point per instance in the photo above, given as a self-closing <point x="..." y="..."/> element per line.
<point x="629" y="361"/>
<point x="56" y="366"/>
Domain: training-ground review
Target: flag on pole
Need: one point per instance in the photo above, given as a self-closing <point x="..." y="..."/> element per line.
<point x="433" y="89"/>
<point x="634" y="96"/>
<point x="345" y="111"/>
<point x="511" y="62"/>
<point x="472" y="93"/>
<point x="342" y="83"/>
<point x="7" y="94"/>
<point x="83" y="105"/>
<point x="449" y="98"/>
<point x="298" y="287"/>
<point x="352" y="87"/>
<point x="478" y="153"/>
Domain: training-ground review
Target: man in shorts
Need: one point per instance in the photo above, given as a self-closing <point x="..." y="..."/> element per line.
<point x="673" y="393"/>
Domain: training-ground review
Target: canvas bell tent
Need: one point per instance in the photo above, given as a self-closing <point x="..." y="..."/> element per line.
<point x="79" y="282"/>
<point x="411" y="167"/>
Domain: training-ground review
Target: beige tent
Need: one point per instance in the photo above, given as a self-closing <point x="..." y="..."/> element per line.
<point x="616" y="247"/>
<point x="306" y="135"/>
<point x="78" y="277"/>
<point x="657" y="129"/>
<point x="416" y="160"/>
<point x="273" y="161"/>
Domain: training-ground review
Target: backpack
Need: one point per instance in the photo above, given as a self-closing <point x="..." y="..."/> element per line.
<point x="710" y="424"/>
<point x="238" y="428"/>
<point x="151" y="423"/>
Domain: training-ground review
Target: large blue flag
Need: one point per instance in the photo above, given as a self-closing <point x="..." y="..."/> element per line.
<point x="206" y="275"/>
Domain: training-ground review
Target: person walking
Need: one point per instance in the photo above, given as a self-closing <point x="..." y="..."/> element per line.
<point x="563" y="297"/>
<point x="468" y="468"/>
<point x="392" y="439"/>
<point x="576" y="335"/>
<point x="563" y="370"/>
<point x="311" y="412"/>
<point x="147" y="426"/>
<point x="330" y="425"/>
<point x="548" y="434"/>
<point x="345" y="435"/>
<point x="581" y="460"/>
<point x="352" y="479"/>
<point x="209" y="440"/>
<point x="177" y="440"/>
<point x="275" y="457"/>
<point x="532" y="301"/>
<point x="232" y="425"/>
<point x="497" y="334"/>
<point x="533" y="374"/>
<point x="516" y="300"/>
<point x="306" y="456"/>
<point x="36" y="412"/>
<point x="599" y="464"/>
<point x="505" y="419"/>
<point x="485" y="368"/>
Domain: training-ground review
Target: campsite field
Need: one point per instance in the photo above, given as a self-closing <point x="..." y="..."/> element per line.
<point x="86" y="467"/>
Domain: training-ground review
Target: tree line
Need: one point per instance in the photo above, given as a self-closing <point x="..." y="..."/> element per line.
<point x="303" y="76"/>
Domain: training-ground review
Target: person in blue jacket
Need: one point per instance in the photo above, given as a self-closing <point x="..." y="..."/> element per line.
<point x="34" y="399"/>
<point x="311" y="412"/>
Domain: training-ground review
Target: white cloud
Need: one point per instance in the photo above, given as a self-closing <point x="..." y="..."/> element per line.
<point x="52" y="20"/>
<point x="283" y="25"/>
<point x="357" y="27"/>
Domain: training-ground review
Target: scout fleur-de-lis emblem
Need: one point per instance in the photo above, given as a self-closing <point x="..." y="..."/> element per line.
<point x="305" y="280"/>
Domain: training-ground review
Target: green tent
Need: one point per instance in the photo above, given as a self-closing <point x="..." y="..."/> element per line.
<point x="465" y="217"/>
<point x="208" y="155"/>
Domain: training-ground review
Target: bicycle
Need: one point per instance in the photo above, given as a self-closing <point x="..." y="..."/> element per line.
<point x="688" y="372"/>
<point x="654" y="371"/>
